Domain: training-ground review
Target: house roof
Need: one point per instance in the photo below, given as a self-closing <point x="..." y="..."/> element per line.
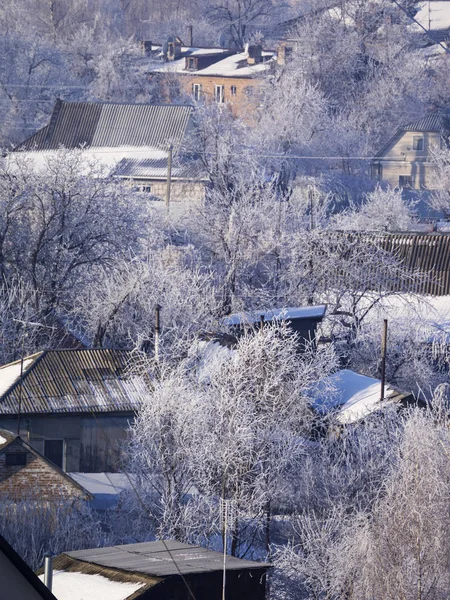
<point x="437" y="121"/>
<point x="162" y="559"/>
<point x="352" y="396"/>
<point x="231" y="66"/>
<point x="285" y="314"/>
<point x="72" y="381"/>
<point x="156" y="168"/>
<point x="11" y="562"/>
<point x="110" y="125"/>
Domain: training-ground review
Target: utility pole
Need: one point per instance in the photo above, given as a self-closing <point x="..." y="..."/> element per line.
<point x="21" y="381"/>
<point x="383" y="358"/>
<point x="169" y="177"/>
<point x="157" y="330"/>
<point x="226" y="515"/>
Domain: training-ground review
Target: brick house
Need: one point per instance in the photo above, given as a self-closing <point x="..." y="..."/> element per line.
<point x="234" y="78"/>
<point x="76" y="405"/>
<point x="25" y="473"/>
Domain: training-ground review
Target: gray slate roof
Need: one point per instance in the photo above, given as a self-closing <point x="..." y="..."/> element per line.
<point x="152" y="558"/>
<point x="156" y="168"/>
<point x="73" y="381"/>
<point x="108" y="125"/>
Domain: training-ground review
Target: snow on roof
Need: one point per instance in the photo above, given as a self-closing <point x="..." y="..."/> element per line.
<point x="209" y="356"/>
<point x="352" y="395"/>
<point x="433" y="15"/>
<point x="80" y="586"/>
<point x="287" y="314"/>
<point x="231" y="66"/>
<point x="9" y="374"/>
<point x="105" y="487"/>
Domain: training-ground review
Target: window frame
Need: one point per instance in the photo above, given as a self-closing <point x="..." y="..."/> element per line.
<point x="15" y="463"/>
<point x="197" y="91"/>
<point x="233" y="90"/>
<point x="219" y="93"/>
<point x="418" y="140"/>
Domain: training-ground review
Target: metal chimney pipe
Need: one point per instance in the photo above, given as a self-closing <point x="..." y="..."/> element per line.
<point x="157" y="330"/>
<point x="191" y="35"/>
<point x="48" y="570"/>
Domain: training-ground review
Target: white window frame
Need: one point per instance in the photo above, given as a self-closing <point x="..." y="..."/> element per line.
<point x="197" y="91"/>
<point x="219" y="94"/>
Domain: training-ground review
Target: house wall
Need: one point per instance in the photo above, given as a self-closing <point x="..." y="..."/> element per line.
<point x="242" y="104"/>
<point x="399" y="159"/>
<point x="36" y="478"/>
<point x="93" y="444"/>
<point x="180" y="191"/>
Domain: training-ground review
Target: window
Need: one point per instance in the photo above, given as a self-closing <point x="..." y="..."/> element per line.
<point x="219" y="93"/>
<point x="192" y="64"/>
<point x="197" y="91"/>
<point x="54" y="451"/>
<point x="15" y="459"/>
<point x="146" y="188"/>
<point x="249" y="90"/>
<point x="417" y="142"/>
<point x="405" y="181"/>
<point x="233" y="90"/>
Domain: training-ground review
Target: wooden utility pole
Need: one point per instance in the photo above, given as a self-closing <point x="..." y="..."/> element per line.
<point x="169" y="176"/>
<point x="383" y="358"/>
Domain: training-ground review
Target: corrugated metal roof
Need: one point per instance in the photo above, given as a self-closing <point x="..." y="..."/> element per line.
<point x="73" y="381"/>
<point x="153" y="558"/>
<point x="156" y="168"/>
<point x="427" y="254"/>
<point x="106" y="125"/>
<point x="438" y="121"/>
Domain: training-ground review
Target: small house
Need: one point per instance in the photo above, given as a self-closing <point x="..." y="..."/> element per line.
<point x="303" y="320"/>
<point x="156" y="571"/>
<point x="404" y="161"/>
<point x="131" y="141"/>
<point x="350" y="397"/>
<point x="75" y="405"/>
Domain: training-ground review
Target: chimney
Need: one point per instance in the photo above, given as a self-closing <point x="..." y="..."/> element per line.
<point x="283" y="54"/>
<point x="191" y="36"/>
<point x="53" y="120"/>
<point x="254" y="54"/>
<point x="147" y="47"/>
<point x="173" y="48"/>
